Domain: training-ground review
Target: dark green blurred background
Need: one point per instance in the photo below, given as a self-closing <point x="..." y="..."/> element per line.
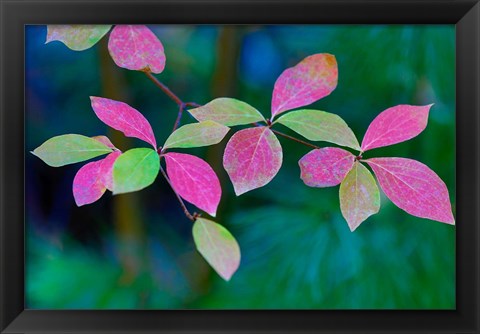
<point x="135" y="251"/>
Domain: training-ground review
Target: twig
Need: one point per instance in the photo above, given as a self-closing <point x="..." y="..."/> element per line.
<point x="180" y="200"/>
<point x="294" y="139"/>
<point x="164" y="88"/>
<point x="179" y="116"/>
<point x="192" y="104"/>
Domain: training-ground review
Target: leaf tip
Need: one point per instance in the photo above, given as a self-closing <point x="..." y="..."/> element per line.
<point x="227" y="276"/>
<point x="352" y="226"/>
<point x="240" y="190"/>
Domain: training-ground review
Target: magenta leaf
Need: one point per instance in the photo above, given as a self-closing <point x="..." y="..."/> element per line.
<point x="325" y="167"/>
<point x="414" y="188"/>
<point x="88" y="186"/>
<point x="124" y="118"/>
<point x="394" y="125"/>
<point x="252" y="158"/>
<point x="310" y="80"/>
<point x="106" y="169"/>
<point x="194" y="180"/>
<point x="135" y="47"/>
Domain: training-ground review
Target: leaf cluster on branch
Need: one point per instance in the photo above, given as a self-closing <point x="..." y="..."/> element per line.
<point x="253" y="156"/>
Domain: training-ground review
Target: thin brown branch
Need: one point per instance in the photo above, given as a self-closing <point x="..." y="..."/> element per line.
<point x="294" y="139"/>
<point x="192" y="104"/>
<point x="179" y="117"/>
<point x="164" y="88"/>
<point x="180" y="200"/>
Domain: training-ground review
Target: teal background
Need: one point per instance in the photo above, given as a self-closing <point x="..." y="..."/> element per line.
<point x="136" y="251"/>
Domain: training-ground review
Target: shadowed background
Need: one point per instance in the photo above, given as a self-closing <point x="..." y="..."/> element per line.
<point x="135" y="251"/>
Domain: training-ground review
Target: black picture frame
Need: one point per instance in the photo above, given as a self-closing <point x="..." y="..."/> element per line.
<point x="465" y="14"/>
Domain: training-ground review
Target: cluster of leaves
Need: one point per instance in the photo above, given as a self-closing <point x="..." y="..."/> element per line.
<point x="253" y="156"/>
<point x="135" y="47"/>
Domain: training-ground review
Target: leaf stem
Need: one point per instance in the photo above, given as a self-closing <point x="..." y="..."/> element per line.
<point x="180" y="200"/>
<point x="164" y="88"/>
<point x="295" y="139"/>
<point x="192" y="104"/>
<point x="182" y="105"/>
<point x="179" y="116"/>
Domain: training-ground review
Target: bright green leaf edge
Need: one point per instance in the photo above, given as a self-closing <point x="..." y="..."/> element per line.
<point x="134" y="170"/>
<point x="90" y="35"/>
<point x="68" y="149"/>
<point x="227" y="111"/>
<point x="197" y="135"/>
<point x="317" y="125"/>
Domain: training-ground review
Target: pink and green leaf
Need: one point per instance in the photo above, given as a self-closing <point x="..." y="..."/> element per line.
<point x="325" y="167"/>
<point x="135" y="47"/>
<point x="204" y="133"/>
<point x="77" y="37"/>
<point x="414" y="188"/>
<point x="124" y="118"/>
<point x="227" y="111"/>
<point x="310" y="80"/>
<point x="252" y="158"/>
<point x="319" y="125"/>
<point x="359" y="196"/>
<point x="87" y="184"/>
<point x="217" y="246"/>
<point x="105" y="140"/>
<point x="135" y="169"/>
<point x="194" y="180"/>
<point x="68" y="149"/>
<point x="395" y="125"/>
<point x="106" y="169"/>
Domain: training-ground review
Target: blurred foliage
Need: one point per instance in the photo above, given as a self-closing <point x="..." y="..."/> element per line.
<point x="136" y="250"/>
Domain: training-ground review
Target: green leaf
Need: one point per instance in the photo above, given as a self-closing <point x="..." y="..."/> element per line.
<point x="77" y="37"/>
<point x="197" y="134"/>
<point x="319" y="125"/>
<point x="135" y="169"/>
<point x="359" y="196"/>
<point x="227" y="111"/>
<point x="68" y="149"/>
<point x="217" y="246"/>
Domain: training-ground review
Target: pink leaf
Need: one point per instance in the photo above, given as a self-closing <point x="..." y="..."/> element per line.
<point x="135" y="47"/>
<point x="87" y="184"/>
<point x="310" y="80"/>
<point x="106" y="141"/>
<point x="106" y="169"/>
<point x="124" y="118"/>
<point x="395" y="125"/>
<point x="413" y="187"/>
<point x="194" y="180"/>
<point x="325" y="167"/>
<point x="252" y="158"/>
